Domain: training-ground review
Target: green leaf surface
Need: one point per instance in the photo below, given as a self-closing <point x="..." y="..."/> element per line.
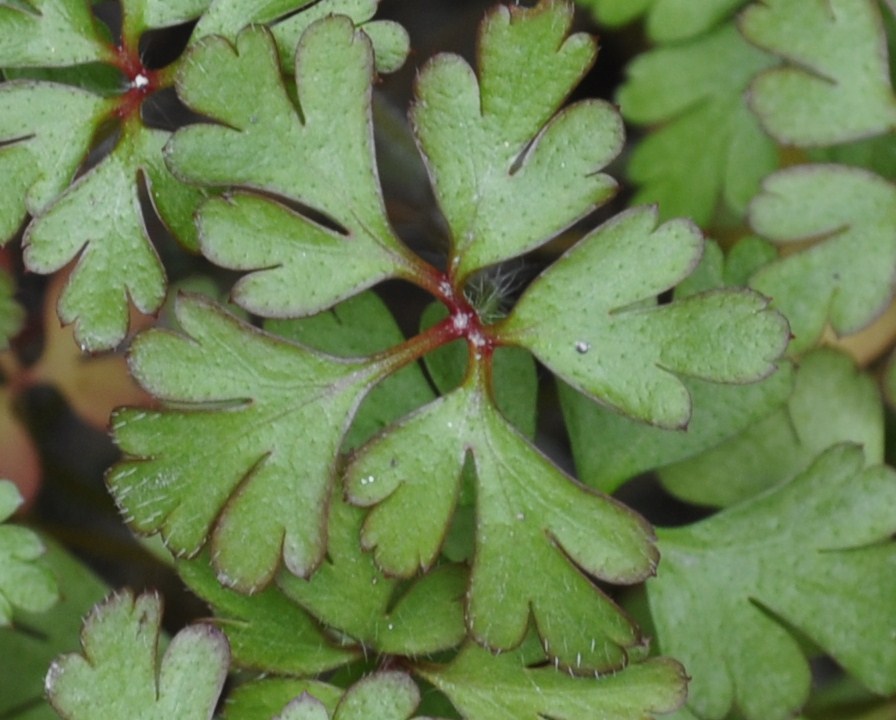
<point x="28" y="647"/>
<point x="386" y="695"/>
<point x="266" y="631"/>
<point x="836" y="85"/>
<point x="224" y="457"/>
<point x="832" y="402"/>
<point x="667" y="20"/>
<point x="288" y="19"/>
<point x="50" y="33"/>
<point x="507" y="175"/>
<point x="25" y="582"/>
<point x="321" y="156"/>
<point x="610" y="448"/>
<point x="362" y="325"/>
<point x="120" y="674"/>
<point x="514" y="375"/>
<point x="537" y="532"/>
<point x="100" y="222"/>
<point x="709" y="148"/>
<point x="813" y="554"/>
<point x="627" y="354"/>
<point x="164" y="13"/>
<point x="264" y="699"/>
<point x="350" y="594"/>
<point x="11" y="313"/>
<point x="516" y="686"/>
<point x="45" y="134"/>
<point x="846" y="277"/>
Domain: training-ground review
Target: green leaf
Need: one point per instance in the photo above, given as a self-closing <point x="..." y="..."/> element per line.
<point x="264" y="699"/>
<point x="846" y="277"/>
<point x="100" y="221"/>
<point x="321" y="157"/>
<point x="667" y="20"/>
<point x="813" y="554"/>
<point x="627" y="354"/>
<point x="11" y="313"/>
<point x="288" y="19"/>
<point x="832" y="402"/>
<point x="266" y="631"/>
<point x="224" y="459"/>
<point x="709" y="149"/>
<point x="836" y="86"/>
<point x="610" y="448"/>
<point x="516" y="686"/>
<point x="164" y="13"/>
<point x="385" y="695"/>
<point x="537" y="533"/>
<point x="362" y="325"/>
<point x="25" y="656"/>
<point x="507" y="175"/>
<point x="25" y="583"/>
<point x="351" y="594"/>
<point x="120" y="674"/>
<point x="50" y="33"/>
<point x="45" y="134"/>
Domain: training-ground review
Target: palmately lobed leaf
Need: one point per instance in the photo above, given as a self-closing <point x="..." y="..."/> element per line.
<point x="224" y="460"/>
<point x="25" y="583"/>
<point x="537" y="532"/>
<point x="624" y="351"/>
<point x="710" y="152"/>
<point x="507" y="175"/>
<point x="320" y="155"/>
<point x="846" y="277"/>
<point x="814" y="554"/>
<point x="836" y="86"/>
<point x="120" y="675"/>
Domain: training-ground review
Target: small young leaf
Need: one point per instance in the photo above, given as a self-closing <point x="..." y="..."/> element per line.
<point x="846" y="278"/>
<point x="837" y="86"/>
<point x="813" y="553"/>
<point x="45" y="134"/>
<point x="351" y="594"/>
<point x="49" y="33"/>
<point x="507" y="176"/>
<point x="626" y="354"/>
<point x="228" y="458"/>
<point x="536" y="531"/>
<point x="25" y="583"/>
<point x="832" y="402"/>
<point x="266" y="631"/>
<point x="667" y="20"/>
<point x="120" y="674"/>
<point x="516" y="686"/>
<point x="321" y="157"/>
<point x="711" y="149"/>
